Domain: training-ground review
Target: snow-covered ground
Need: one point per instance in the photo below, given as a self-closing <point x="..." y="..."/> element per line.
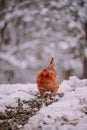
<point x="10" y="93"/>
<point x="68" y="113"/>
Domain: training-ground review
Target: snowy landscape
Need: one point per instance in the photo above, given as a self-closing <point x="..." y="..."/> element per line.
<point x="31" y="32"/>
<point x="21" y="108"/>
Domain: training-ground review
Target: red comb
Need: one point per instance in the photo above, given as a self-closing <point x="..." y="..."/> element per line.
<point x="45" y="70"/>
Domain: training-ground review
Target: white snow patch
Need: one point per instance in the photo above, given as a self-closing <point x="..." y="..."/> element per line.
<point x="10" y="93"/>
<point x="67" y="112"/>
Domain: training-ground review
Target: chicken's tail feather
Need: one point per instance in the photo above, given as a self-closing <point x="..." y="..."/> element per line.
<point x="52" y="61"/>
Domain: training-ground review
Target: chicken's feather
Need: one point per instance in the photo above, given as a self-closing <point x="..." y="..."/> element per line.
<point x="47" y="82"/>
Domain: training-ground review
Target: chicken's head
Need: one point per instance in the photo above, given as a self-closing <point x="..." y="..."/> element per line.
<point x="45" y="71"/>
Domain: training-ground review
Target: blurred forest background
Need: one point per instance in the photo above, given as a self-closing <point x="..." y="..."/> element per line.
<point x="32" y="31"/>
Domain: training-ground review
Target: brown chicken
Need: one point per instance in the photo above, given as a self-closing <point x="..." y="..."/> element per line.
<point x="46" y="79"/>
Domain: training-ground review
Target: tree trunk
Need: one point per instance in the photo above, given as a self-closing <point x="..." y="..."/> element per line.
<point x="85" y="68"/>
<point x="85" y="59"/>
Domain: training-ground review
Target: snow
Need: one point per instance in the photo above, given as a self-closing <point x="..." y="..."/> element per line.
<point x="68" y="113"/>
<point x="11" y="59"/>
<point x="10" y="93"/>
<point x="28" y="29"/>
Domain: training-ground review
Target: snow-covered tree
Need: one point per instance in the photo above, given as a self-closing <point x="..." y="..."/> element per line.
<point x="33" y="31"/>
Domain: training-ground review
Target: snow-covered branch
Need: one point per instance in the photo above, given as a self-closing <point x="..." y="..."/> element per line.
<point x="14" y="61"/>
